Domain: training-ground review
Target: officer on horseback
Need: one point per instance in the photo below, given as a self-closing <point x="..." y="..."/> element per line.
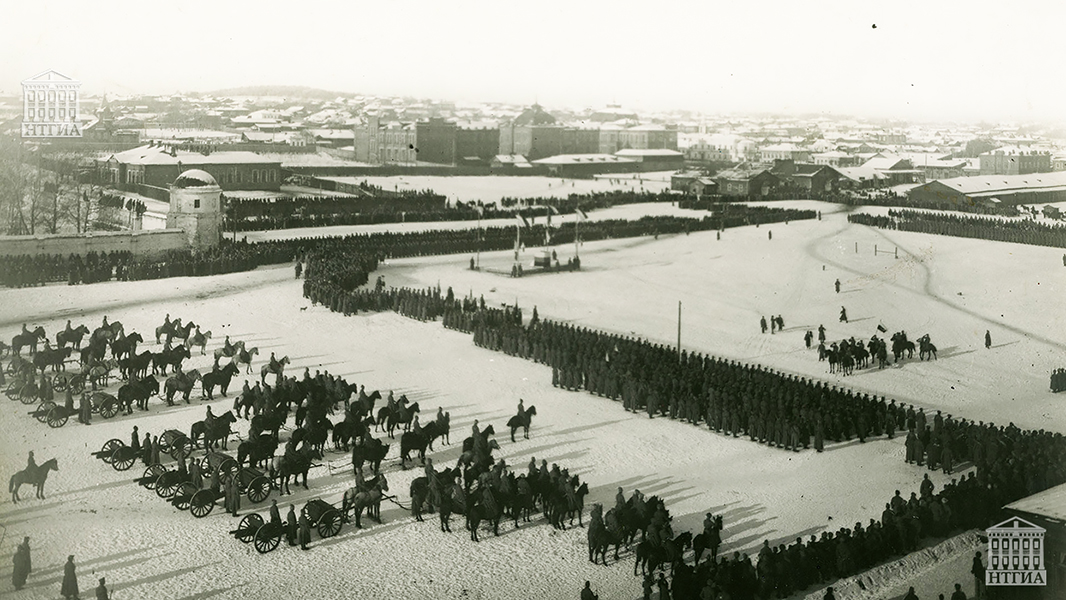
<point x="274" y="365"/>
<point x="227" y="347"/>
<point x="209" y="419"/>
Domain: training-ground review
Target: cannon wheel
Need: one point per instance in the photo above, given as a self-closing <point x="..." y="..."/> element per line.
<point x="228" y="468"/>
<point x="250" y="524"/>
<point x="12" y="390"/>
<point x="123" y="458"/>
<point x="183" y="497"/>
<point x="28" y="394"/>
<point x="43" y="410"/>
<point x="180" y="449"/>
<point x="202" y="503"/>
<point x="329" y="524"/>
<point x="77" y="384"/>
<point x="60" y="384"/>
<point x="57" y="417"/>
<point x="258" y="489"/>
<point x="166" y="485"/>
<point x="267" y="538"/>
<point x="164" y="445"/>
<point x="109" y="408"/>
<point x="108" y="449"/>
<point x="152" y="474"/>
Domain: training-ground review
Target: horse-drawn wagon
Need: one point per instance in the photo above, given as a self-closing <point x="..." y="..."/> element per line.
<point x="117" y="454"/>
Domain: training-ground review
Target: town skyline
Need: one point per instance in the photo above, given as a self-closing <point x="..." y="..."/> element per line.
<point x="918" y="64"/>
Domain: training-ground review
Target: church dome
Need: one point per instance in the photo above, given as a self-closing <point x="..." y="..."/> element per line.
<point x="194" y="178"/>
<point x="534" y="115"/>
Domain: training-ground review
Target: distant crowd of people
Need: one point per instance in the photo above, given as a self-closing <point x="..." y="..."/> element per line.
<point x="1019" y="231"/>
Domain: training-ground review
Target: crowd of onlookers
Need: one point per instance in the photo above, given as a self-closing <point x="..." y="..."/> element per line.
<point x="1019" y="231"/>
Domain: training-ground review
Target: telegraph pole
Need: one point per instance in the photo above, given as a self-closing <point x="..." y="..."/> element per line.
<point x="678" y="331"/>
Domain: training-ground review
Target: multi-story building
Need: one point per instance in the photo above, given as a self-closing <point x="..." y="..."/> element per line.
<point x="786" y="151"/>
<point x="1012" y="160"/>
<point x="390" y="142"/>
<point x="537" y="134"/>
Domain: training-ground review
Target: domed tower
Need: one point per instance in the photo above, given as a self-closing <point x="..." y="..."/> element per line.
<point x="196" y="207"/>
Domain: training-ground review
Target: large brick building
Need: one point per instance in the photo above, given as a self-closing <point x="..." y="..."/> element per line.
<point x="432" y="140"/>
<point x="537" y="134"/>
<point x="158" y="165"/>
<point x="1015" y="161"/>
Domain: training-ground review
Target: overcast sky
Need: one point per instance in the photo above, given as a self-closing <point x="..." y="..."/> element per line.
<point x="968" y="60"/>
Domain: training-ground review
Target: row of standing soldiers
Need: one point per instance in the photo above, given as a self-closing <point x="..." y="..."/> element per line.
<point x="1021" y="231"/>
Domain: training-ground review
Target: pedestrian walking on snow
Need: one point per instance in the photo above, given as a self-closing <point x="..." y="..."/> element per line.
<point x="69" y="589"/>
<point x="988" y="339"/>
<point x="837" y="285"/>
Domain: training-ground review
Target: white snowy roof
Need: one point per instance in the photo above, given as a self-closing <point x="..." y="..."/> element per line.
<point x="581" y="159"/>
<point x="991" y="185"/>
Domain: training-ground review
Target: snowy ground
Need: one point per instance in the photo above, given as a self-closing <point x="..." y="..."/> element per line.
<point x="491" y="189"/>
<point x="147" y="549"/>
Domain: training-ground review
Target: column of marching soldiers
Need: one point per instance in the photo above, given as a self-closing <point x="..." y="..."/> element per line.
<point x="781" y="410"/>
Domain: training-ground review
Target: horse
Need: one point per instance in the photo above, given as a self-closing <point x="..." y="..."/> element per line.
<point x="198" y="339"/>
<point x="575" y="501"/>
<point x="221" y="378"/>
<point x="217" y="431"/>
<point x="36" y="477"/>
<point x="101" y="372"/>
<point x="267" y="422"/>
<point x="901" y="345"/>
<point x="182" y="382"/>
<point x="490" y="509"/>
<point x="244" y="357"/>
<point x="403" y="415"/>
<point x="167" y="328"/>
<point x="417" y="441"/>
<point x="172" y="358"/>
<point x="27" y="339"/>
<point x="138" y="391"/>
<point x="221" y="353"/>
<point x="180" y="332"/>
<point x="522" y="420"/>
<point x="94" y="352"/>
<point x="257" y="450"/>
<point x="372" y="451"/>
<point x="357" y="500"/>
<point x="279" y="370"/>
<point x="926" y="348"/>
<point x="107" y="333"/>
<point x="126" y="345"/>
<point x="137" y="364"/>
<point x="51" y="357"/>
<point x="73" y="336"/>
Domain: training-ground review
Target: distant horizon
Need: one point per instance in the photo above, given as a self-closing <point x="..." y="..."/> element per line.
<point x="950" y="62"/>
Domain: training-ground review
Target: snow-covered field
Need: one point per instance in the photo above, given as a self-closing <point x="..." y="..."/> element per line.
<point x="491" y="189"/>
<point x="954" y="289"/>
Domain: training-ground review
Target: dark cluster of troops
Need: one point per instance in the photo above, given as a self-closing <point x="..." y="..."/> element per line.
<point x="782" y="570"/>
<point x="1019" y="231"/>
<point x="28" y="271"/>
<point x="230" y="257"/>
<point x="1058" y="379"/>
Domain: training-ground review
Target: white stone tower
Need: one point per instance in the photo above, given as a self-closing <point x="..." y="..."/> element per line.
<point x="196" y="208"/>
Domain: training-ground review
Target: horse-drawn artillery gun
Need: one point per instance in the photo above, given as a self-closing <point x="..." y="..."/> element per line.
<point x="56" y="415"/>
<point x="117" y="454"/>
<point x="175" y="443"/>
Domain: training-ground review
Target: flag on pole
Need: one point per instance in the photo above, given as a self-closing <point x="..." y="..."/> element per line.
<point x="581" y="216"/>
<point x="521" y="221"/>
<point x="480" y="209"/>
